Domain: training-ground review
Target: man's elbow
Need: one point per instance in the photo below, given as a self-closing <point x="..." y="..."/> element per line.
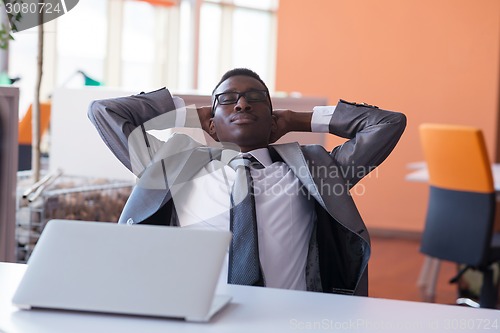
<point x="95" y="111"/>
<point x="92" y="110"/>
<point x="398" y="120"/>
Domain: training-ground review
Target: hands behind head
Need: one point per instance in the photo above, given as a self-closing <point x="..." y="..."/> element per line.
<point x="282" y="118"/>
<point x="205" y="113"/>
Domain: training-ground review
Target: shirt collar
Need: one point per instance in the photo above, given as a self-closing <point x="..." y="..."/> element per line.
<point x="227" y="155"/>
<point x="262" y="155"/>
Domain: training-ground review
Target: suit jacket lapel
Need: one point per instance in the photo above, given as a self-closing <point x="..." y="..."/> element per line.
<point x="293" y="157"/>
<point x="340" y="206"/>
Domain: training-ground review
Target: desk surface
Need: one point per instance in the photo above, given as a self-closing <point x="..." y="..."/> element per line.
<point x="255" y="309"/>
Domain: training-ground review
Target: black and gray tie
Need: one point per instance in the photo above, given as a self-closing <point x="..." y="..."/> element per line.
<point x="244" y="263"/>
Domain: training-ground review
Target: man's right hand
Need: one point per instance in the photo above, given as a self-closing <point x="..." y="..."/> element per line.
<point x="205" y="114"/>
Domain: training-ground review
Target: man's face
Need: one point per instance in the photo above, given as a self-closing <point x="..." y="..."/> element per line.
<point x="246" y="124"/>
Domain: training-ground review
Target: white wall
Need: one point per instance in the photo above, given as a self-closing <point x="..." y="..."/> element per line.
<point x="75" y="145"/>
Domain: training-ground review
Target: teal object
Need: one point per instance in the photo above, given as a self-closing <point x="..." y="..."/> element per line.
<point x="91" y="82"/>
<point x="4" y="79"/>
<point x="88" y="81"/>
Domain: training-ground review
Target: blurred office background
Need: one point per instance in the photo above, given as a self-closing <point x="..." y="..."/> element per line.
<point x="435" y="61"/>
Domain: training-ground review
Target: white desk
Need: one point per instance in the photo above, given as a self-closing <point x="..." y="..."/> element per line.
<point x="254" y="310"/>
<point x="420" y="174"/>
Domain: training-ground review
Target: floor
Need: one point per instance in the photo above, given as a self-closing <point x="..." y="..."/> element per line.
<point x="394" y="269"/>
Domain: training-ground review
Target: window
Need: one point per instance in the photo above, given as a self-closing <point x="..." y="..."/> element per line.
<point x="136" y="45"/>
<point x="22" y="64"/>
<point x="210" y="46"/>
<point x="252" y="47"/>
<point x="81" y="43"/>
<point x="237" y="33"/>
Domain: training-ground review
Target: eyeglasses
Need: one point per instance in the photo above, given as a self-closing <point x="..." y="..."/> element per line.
<point x="232" y="97"/>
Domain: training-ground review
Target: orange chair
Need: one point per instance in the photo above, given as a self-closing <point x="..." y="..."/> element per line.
<point x="25" y="133"/>
<point x="462" y="200"/>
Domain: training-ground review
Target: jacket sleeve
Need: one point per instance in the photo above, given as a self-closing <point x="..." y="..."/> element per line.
<point x="122" y="124"/>
<point x="372" y="134"/>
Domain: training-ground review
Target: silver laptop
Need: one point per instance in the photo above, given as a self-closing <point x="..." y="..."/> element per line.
<point x="138" y="270"/>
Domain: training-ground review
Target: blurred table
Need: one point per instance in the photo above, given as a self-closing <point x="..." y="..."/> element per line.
<point x="419" y="173"/>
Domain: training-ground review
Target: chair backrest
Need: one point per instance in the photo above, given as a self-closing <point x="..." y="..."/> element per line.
<point x="25" y="123"/>
<point x="461" y="205"/>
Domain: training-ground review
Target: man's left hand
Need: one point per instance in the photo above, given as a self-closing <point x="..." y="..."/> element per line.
<point x="290" y="121"/>
<point x="281" y="117"/>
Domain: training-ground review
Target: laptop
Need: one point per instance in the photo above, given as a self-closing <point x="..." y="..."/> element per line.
<point x="136" y="270"/>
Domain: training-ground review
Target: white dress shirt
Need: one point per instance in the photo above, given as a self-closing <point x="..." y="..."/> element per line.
<point x="285" y="214"/>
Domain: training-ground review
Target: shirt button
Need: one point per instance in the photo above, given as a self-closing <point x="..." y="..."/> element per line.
<point x="130" y="221"/>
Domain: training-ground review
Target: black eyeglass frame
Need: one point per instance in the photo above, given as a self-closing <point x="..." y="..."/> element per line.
<point x="241" y="94"/>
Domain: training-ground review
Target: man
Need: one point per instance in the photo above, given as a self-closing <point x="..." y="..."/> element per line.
<point x="308" y="232"/>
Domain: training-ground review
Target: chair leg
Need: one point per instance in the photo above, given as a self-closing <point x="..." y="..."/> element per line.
<point x="427" y="279"/>
<point x="422" y="278"/>
<point x="431" y="288"/>
<point x="489" y="294"/>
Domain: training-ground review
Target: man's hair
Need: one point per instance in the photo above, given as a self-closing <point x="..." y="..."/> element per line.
<point x="239" y="71"/>
<point x="244" y="72"/>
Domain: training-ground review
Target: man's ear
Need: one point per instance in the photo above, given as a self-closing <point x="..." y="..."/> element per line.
<point x="275" y="130"/>
<point x="211" y="129"/>
<point x="274" y="123"/>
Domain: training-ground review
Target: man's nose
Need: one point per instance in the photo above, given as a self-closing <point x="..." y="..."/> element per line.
<point x="242" y="104"/>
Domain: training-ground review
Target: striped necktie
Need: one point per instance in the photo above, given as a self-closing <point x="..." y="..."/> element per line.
<point x="244" y="263"/>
